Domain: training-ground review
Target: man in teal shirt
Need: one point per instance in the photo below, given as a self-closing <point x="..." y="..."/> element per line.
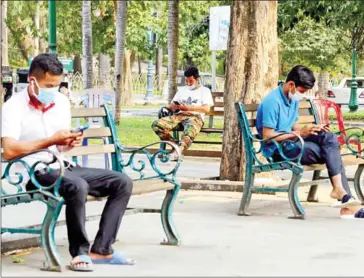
<point x="279" y="113"/>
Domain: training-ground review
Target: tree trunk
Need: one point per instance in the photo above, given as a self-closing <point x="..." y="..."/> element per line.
<point x="139" y="65"/>
<point x="121" y="20"/>
<point x="36" y="21"/>
<point x="323" y="84"/>
<point x="42" y="44"/>
<point x="87" y="66"/>
<point x="252" y="70"/>
<point x="4" y="34"/>
<point x="173" y="12"/>
<point x="127" y="84"/>
<point x="104" y="71"/>
<point x="77" y="64"/>
<point x="158" y="67"/>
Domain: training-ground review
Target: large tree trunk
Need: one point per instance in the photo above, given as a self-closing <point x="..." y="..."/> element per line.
<point x="87" y="66"/>
<point x="252" y="70"/>
<point x="121" y="20"/>
<point x="42" y="29"/>
<point x="4" y="34"/>
<point x="173" y="12"/>
<point x="127" y="84"/>
<point x="323" y="84"/>
<point x="36" y="21"/>
<point x="104" y="71"/>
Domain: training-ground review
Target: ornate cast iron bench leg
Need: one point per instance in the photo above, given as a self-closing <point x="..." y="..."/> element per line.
<point x="298" y="210"/>
<point x="313" y="189"/>
<point x="357" y="183"/>
<point x="53" y="260"/>
<point x="247" y="193"/>
<point x="167" y="217"/>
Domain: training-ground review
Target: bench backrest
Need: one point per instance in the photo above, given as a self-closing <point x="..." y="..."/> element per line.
<point x="218" y="108"/>
<point x="107" y="131"/>
<point x="247" y="114"/>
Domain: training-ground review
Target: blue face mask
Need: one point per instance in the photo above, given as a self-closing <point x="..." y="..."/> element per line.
<point x="45" y="95"/>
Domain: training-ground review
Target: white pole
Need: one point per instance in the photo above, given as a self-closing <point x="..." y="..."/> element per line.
<point x="213" y="68"/>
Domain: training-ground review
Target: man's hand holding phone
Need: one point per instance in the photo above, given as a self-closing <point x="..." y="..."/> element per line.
<point x="79" y="136"/>
<point x="325" y="128"/>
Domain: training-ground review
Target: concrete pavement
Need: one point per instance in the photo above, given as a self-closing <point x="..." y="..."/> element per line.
<point x="215" y="241"/>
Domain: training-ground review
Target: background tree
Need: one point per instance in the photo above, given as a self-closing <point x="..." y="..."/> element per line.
<point x="252" y="70"/>
<point x="173" y="23"/>
<point x="121" y="18"/>
<point x="87" y="65"/>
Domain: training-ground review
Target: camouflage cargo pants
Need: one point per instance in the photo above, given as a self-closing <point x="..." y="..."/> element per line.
<point x="192" y="125"/>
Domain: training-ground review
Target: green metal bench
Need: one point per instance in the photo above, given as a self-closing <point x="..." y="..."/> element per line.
<point x="256" y="163"/>
<point x="161" y="176"/>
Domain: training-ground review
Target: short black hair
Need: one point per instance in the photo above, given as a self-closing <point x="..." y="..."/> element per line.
<point x="45" y="62"/>
<point x="302" y="77"/>
<point x="192" y="71"/>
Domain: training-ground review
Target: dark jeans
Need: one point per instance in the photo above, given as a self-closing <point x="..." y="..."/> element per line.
<point x="320" y="149"/>
<point x="79" y="182"/>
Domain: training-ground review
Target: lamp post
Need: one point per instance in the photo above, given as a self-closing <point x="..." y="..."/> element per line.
<point x="149" y="93"/>
<point x="52" y="41"/>
<point x="353" y="103"/>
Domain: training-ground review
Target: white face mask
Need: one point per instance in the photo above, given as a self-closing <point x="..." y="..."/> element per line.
<point x="192" y="87"/>
<point x="296" y="97"/>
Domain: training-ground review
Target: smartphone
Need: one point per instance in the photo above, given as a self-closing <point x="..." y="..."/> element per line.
<point x="80" y="129"/>
<point x="176" y="102"/>
<point x="63" y="84"/>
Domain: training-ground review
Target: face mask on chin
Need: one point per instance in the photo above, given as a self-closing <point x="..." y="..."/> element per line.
<point x="46" y="95"/>
<point x="192" y="87"/>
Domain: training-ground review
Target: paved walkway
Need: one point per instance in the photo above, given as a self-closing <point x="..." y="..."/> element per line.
<point x="217" y="242"/>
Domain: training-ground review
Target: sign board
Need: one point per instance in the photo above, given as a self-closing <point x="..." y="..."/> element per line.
<point x="67" y="63"/>
<point x="219" y="27"/>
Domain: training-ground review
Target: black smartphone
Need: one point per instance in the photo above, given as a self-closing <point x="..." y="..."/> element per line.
<point x="176" y="102"/>
<point x="63" y="84"/>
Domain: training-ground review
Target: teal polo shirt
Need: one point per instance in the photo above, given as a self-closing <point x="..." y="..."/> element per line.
<point x="276" y="112"/>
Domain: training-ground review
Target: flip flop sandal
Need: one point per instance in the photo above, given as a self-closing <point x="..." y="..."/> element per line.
<point x="358" y="215"/>
<point x="346" y="202"/>
<point x="82" y="259"/>
<point x="117" y="258"/>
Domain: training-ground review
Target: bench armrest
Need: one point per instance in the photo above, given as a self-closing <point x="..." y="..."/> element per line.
<point x="31" y="169"/>
<point x="139" y="166"/>
<point x="281" y="146"/>
<point x="352" y="139"/>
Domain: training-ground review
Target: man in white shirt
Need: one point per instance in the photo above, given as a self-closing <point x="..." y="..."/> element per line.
<point x="39" y="117"/>
<point x="189" y="106"/>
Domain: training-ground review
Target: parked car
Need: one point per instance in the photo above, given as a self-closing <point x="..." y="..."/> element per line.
<point x="22" y="79"/>
<point x="7" y="73"/>
<point x="341" y="94"/>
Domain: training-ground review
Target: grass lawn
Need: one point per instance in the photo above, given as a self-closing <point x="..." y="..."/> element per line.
<point x="138" y="132"/>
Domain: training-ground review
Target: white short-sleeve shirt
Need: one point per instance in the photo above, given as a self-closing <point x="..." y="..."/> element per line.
<point x="22" y="122"/>
<point x="197" y="97"/>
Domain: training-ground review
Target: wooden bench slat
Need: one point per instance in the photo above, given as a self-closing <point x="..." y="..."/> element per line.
<point x="218" y="104"/>
<point x="347" y="160"/>
<point x="87" y="112"/>
<point x="215" y="113"/>
<point x="91" y="149"/>
<point x="97" y="132"/>
<point x="217" y="94"/>
<point x="305" y="105"/>
<point x="306" y="119"/>
<point x="143" y="187"/>
<point x="212" y="130"/>
<point x="251" y="107"/>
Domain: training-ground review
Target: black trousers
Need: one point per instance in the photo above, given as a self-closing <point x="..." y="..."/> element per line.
<point x="79" y="182"/>
<point x="320" y="149"/>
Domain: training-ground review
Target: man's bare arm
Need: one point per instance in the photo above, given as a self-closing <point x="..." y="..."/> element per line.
<point x="13" y="148"/>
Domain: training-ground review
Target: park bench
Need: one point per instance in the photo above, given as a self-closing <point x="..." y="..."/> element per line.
<point x="150" y="175"/>
<point x="217" y="110"/>
<point x="256" y="163"/>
